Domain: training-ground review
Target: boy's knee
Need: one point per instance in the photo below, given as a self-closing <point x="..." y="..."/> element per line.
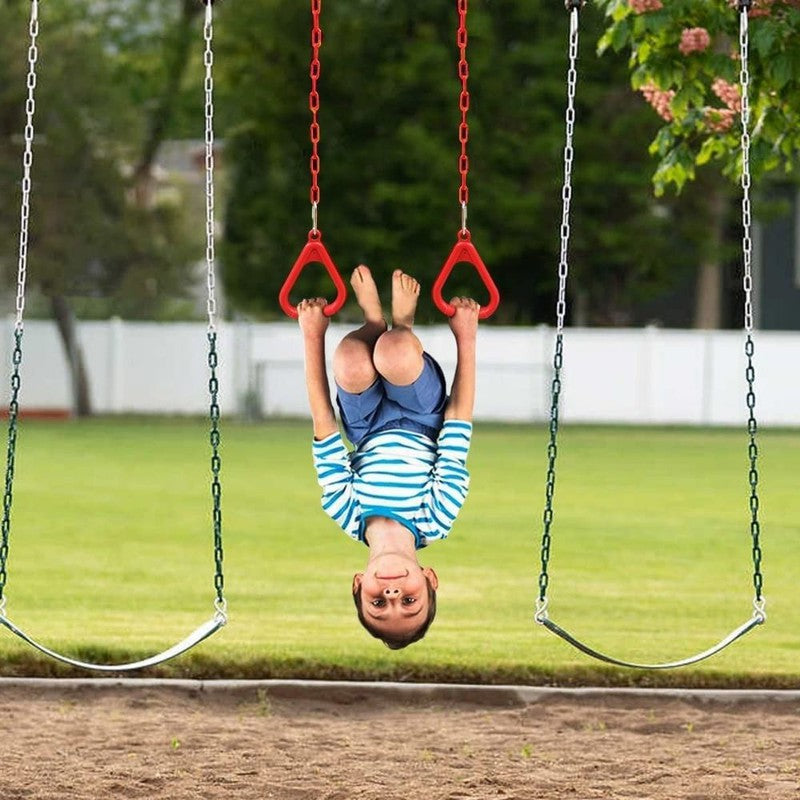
<point x="353" y="369"/>
<point x="398" y="357"/>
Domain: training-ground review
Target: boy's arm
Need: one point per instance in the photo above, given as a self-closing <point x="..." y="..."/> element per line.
<point x="464" y="324"/>
<point x="314" y="323"/>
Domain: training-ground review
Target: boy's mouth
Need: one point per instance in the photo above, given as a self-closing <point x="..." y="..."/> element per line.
<point x="391" y="577"/>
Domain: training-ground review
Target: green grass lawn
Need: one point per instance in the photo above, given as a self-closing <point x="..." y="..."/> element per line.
<point x="110" y="556"/>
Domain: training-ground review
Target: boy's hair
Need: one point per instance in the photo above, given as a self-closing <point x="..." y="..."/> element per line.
<point x="399" y="642"/>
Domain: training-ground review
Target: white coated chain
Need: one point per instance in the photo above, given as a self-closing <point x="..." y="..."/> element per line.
<point x="27" y="163"/>
<point x="747" y="243"/>
<point x="208" y="60"/>
<point x="566" y="192"/>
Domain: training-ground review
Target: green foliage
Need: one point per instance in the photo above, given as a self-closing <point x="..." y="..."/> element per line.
<point x="89" y="239"/>
<point x="681" y="74"/>
<point x="110" y="555"/>
<point x="389" y="150"/>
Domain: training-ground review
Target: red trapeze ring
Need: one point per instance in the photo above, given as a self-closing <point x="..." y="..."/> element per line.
<point x="313" y="252"/>
<point x="465" y="251"/>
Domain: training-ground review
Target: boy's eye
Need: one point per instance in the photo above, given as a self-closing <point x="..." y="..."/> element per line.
<point x="408" y="600"/>
<point x="378" y="602"/>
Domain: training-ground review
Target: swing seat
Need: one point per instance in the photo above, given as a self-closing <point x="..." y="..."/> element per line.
<point x="758" y="618"/>
<point x="195" y="637"/>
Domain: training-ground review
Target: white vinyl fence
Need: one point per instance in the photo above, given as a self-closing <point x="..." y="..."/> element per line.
<point x="637" y="376"/>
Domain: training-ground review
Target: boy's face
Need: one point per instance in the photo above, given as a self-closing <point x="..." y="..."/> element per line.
<point x="394" y="593"/>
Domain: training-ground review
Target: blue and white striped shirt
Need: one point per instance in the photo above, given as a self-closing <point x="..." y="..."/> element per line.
<point x="398" y="474"/>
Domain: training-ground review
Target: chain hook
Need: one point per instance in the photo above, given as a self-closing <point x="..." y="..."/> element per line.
<point x="221" y="610"/>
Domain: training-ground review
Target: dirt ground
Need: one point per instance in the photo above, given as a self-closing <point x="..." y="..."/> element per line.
<point x="157" y="742"/>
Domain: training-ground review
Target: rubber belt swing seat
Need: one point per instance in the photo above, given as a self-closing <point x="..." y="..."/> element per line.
<point x="759" y="615"/>
<point x="195" y="637"/>
<point x="757" y="619"/>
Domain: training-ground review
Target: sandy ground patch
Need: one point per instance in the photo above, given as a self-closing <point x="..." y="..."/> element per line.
<point x="165" y="743"/>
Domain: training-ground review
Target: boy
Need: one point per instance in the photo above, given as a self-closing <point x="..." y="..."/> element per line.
<point x="405" y="481"/>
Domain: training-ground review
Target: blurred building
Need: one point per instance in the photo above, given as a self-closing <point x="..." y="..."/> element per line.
<point x="776" y="265"/>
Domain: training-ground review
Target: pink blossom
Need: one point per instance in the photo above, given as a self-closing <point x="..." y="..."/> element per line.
<point x="719" y="119"/>
<point x="728" y="93"/>
<point x="694" y="40"/>
<point x="660" y="100"/>
<point x="643" y="6"/>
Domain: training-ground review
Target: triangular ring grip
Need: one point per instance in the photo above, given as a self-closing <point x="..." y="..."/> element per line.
<point x="313" y="252"/>
<point x="465" y="251"/>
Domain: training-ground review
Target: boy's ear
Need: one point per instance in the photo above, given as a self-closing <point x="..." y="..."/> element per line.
<point x="357" y="578"/>
<point x="432" y="577"/>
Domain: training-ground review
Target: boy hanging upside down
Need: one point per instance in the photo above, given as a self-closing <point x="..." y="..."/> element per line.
<point x="406" y="480"/>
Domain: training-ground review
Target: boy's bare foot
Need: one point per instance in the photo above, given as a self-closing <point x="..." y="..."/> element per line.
<point x="367" y="295"/>
<point x="464" y="323"/>
<point x="405" y="293"/>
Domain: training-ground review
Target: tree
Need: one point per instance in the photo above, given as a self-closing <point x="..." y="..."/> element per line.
<point x="89" y="240"/>
<point x="684" y="59"/>
<point x="389" y="148"/>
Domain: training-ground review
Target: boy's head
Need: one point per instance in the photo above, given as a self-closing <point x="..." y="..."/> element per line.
<point x="396" y="599"/>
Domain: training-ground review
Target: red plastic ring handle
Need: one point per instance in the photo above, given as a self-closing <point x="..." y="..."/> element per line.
<point x="464" y="251"/>
<point x="313" y="252"/>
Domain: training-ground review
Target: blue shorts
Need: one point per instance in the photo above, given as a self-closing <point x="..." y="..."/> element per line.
<point x="417" y="407"/>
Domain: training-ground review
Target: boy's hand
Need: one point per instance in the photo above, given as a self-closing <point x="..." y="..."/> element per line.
<point x="464" y="323"/>
<point x="312" y="321"/>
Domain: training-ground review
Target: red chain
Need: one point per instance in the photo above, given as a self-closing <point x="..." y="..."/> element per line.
<point x="463" y="101"/>
<point x="313" y="98"/>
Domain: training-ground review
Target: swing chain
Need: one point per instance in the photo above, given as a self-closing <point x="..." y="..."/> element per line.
<point x="216" y="463"/>
<point x="213" y="360"/>
<point x="463" y="105"/>
<point x="27" y="163"/>
<point x="208" y="86"/>
<point x="749" y="348"/>
<point x="22" y="270"/>
<point x="313" y="104"/>
<point x="13" y="412"/>
<point x="561" y="310"/>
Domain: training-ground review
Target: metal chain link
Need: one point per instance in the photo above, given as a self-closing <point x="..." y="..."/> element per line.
<point x="213" y="360"/>
<point x="561" y="310"/>
<point x="463" y="105"/>
<point x="27" y="163"/>
<point x="749" y="347"/>
<point x="313" y="104"/>
<point x="208" y="85"/>
<point x="22" y="272"/>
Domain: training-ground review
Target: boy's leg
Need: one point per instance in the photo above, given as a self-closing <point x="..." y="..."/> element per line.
<point x="398" y="352"/>
<point x="353" y="366"/>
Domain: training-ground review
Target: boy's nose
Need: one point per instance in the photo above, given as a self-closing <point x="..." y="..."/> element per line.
<point x="390" y="591"/>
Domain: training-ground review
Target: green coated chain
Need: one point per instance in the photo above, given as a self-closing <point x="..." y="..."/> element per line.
<point x="752" y="427"/>
<point x="13" y="413"/>
<point x="216" y="463"/>
<point x="552" y="452"/>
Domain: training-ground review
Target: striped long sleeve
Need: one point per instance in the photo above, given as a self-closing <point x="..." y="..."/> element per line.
<point x="397" y="474"/>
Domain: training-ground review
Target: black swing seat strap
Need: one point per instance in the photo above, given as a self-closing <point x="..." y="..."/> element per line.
<point x="757" y="619"/>
<point x="195" y="637"/>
